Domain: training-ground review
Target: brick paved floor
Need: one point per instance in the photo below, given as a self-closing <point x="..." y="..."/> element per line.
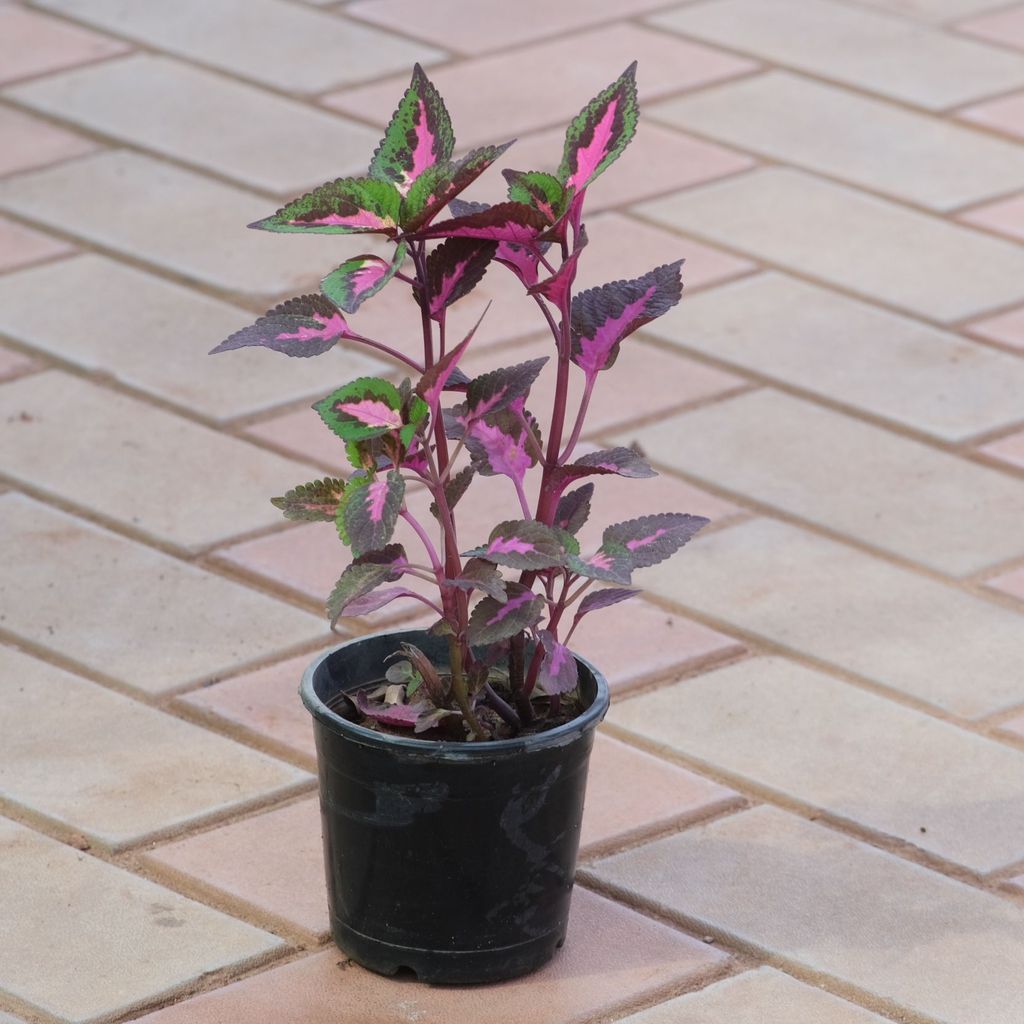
<point x="807" y="805"/>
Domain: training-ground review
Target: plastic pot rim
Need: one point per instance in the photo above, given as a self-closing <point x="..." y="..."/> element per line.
<point x="485" y="750"/>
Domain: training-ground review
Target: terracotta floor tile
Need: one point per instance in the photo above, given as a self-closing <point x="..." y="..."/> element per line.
<point x="20" y="246"/>
<point x="310" y="557"/>
<point x="1010" y="449"/>
<point x="31" y="142"/>
<point x="611" y="957"/>
<point x="1005" y="27"/>
<point x="271" y="862"/>
<point x="264" y="703"/>
<point x="33" y="44"/>
<point x="1005" y="327"/>
<point x="14" y="364"/>
<point x="630" y="792"/>
<point x="1011" y="583"/>
<point x="1005" y="114"/>
<point x="565" y="74"/>
<point x="1005" y="216"/>
<point x="486" y="25"/>
<point x="638" y="641"/>
<point x="301" y="432"/>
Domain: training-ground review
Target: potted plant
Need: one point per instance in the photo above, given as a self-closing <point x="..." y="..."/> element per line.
<point x="453" y="759"/>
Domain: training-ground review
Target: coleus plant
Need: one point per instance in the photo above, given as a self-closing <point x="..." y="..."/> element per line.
<point x="504" y="602"/>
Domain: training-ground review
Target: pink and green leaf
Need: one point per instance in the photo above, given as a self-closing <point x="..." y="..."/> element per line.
<point x="454" y="269"/>
<point x="505" y="222"/>
<point x="597" y="136"/>
<point x="522" y="544"/>
<point x="418" y="136"/>
<point x="559" y="672"/>
<point x="493" y="621"/>
<point x="343" y="207"/>
<point x="365" y="408"/>
<point x="607" y="564"/>
<point x="574" y="509"/>
<point x="305" y="326"/>
<point x="360" y="278"/>
<point x="363" y="575"/>
<point x="602" y="317"/>
<point x="439" y="186"/>
<point x="539" y="190"/>
<point x="313" y="502"/>
<point x="651" y="539"/>
<point x="370" y="512"/>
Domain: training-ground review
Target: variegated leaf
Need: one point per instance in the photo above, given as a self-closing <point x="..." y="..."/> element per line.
<point x="496" y="390"/>
<point x="539" y="190"/>
<point x="608" y="565"/>
<point x="522" y="544"/>
<point x="574" y="509"/>
<point x="363" y="575"/>
<point x="418" y="136"/>
<point x="305" y="326"/>
<point x="365" y="408"/>
<point x="439" y="186"/>
<point x="479" y="574"/>
<point x="361" y="277"/>
<point x="556" y="287"/>
<point x="376" y="599"/>
<point x="652" y="539"/>
<point x="371" y="511"/>
<point x="559" y="672"/>
<point x="603" y="598"/>
<point x="500" y="443"/>
<point x="522" y="260"/>
<point x="346" y="206"/>
<point x="312" y="502"/>
<point x="600" y="132"/>
<point x="492" y="621"/>
<point x="399" y="715"/>
<point x="454" y="269"/>
<point x="620" y="461"/>
<point x="505" y="222"/>
<point x="602" y="317"/>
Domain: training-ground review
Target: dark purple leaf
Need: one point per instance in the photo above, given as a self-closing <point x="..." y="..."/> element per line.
<point x="478" y="574"/>
<point x="574" y="509"/>
<point x="376" y="599"/>
<point x="620" y="461"/>
<point x="500" y="444"/>
<point x="454" y="488"/>
<point x="497" y="389"/>
<point x="557" y="287"/>
<point x="492" y="620"/>
<point x="603" y="598"/>
<point x="401" y="715"/>
<point x="651" y="539"/>
<point x="522" y="544"/>
<point x="439" y="376"/>
<point x="602" y="317"/>
<point x="454" y="269"/>
<point x="305" y="326"/>
<point x="558" y="671"/>
<point x="505" y="222"/>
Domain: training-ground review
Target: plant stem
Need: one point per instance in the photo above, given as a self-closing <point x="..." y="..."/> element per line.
<point x="428" y="544"/>
<point x="507" y="712"/>
<point x="588" y="390"/>
<point x="459" y="690"/>
<point x="393" y="352"/>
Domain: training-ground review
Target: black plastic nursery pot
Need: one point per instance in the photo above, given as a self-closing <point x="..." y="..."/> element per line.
<point x="455" y="860"/>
